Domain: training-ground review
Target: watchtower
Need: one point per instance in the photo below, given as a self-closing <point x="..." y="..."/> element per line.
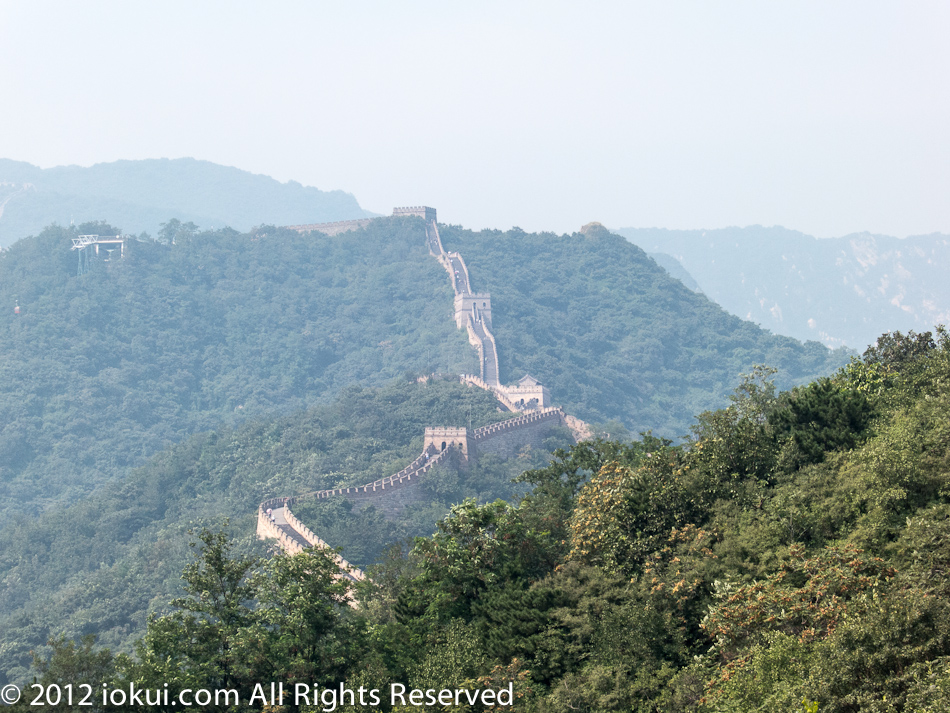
<point x="465" y="302"/>
<point x="528" y="393"/>
<point x="424" y="212"/>
<point x="442" y="437"/>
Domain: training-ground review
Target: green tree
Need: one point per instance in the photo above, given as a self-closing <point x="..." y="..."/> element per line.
<point x="212" y="639"/>
<point x="304" y="605"/>
<point x="71" y="671"/>
<point x="821" y="417"/>
<point x="477" y="548"/>
<point x="174" y="230"/>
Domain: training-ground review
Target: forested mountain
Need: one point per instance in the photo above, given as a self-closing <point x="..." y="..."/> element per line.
<point x="202" y="331"/>
<point x="791" y="556"/>
<point x="101" y="370"/>
<point x="102" y="564"/>
<point x="612" y="335"/>
<point x="141" y="195"/>
<point x="839" y="291"/>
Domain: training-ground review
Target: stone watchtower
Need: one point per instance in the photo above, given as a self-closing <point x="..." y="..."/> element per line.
<point x="466" y="301"/>
<point x="528" y="393"/>
<point x="442" y="437"/>
<point x="424" y="212"/>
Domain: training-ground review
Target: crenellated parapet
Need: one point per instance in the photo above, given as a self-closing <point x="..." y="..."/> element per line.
<point x="335" y="228"/>
<point x="508" y="438"/>
<point x="441" y="437"/>
<point x="422" y="211"/>
<point x="443" y="445"/>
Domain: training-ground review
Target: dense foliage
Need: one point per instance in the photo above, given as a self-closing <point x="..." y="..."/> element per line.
<point x="103" y="373"/>
<point x="99" y="372"/>
<point x="101" y="564"/>
<point x="736" y="572"/>
<point x="612" y="335"/>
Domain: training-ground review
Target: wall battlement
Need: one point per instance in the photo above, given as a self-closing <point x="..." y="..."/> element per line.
<point x="423" y="211"/>
<point x="443" y="445"/>
<point x="441" y="437"/>
<point x="340" y="226"/>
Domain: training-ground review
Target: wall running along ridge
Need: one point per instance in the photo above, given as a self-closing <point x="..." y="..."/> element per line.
<point x="443" y="445"/>
<point x="335" y="228"/>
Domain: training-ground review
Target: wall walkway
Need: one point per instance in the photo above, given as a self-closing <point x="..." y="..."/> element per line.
<point x="335" y="228"/>
<point x="276" y="521"/>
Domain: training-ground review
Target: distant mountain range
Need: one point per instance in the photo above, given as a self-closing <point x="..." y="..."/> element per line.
<point x="839" y="291"/>
<point x="138" y="196"/>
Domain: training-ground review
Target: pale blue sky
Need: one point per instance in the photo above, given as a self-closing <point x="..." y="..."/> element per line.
<point x="826" y="117"/>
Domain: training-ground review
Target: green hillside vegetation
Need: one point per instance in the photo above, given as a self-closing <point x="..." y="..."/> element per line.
<point x="199" y="332"/>
<point x="613" y="335"/>
<point x="99" y="372"/>
<point x="366" y="534"/>
<point x="792" y="556"/>
<point x="141" y="195"/>
<point x="101" y="564"/>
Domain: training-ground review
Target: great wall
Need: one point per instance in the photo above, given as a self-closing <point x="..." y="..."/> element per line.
<point x="442" y="445"/>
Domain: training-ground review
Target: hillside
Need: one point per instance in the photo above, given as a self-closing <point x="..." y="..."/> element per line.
<point x="839" y="291"/>
<point x="613" y="335"/>
<point x="141" y="195"/>
<point x="103" y="370"/>
<point x="102" y="564"/>
<point x="793" y="555"/>
<point x="99" y="372"/>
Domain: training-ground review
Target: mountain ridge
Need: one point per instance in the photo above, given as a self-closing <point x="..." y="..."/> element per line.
<point x="840" y="291"/>
<point x="139" y="195"/>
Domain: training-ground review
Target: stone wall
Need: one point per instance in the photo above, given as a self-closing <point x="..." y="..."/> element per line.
<point x="393" y="502"/>
<point x="394" y="493"/>
<point x="441" y="437"/>
<point x="464" y="304"/>
<point x="340" y="226"/>
<point x="354" y="574"/>
<point x="490" y="356"/>
<point x="434" y="241"/>
<point x="457" y="258"/>
<point x="507" y="438"/>
<point x="423" y="211"/>
<point x="267" y="530"/>
<point x="473" y="380"/>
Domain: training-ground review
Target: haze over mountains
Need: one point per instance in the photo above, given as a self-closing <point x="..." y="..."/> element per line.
<point x="152" y="392"/>
<point x="102" y="370"/>
<point x="188" y="380"/>
<point x="141" y="195"/>
<point x="840" y="291"/>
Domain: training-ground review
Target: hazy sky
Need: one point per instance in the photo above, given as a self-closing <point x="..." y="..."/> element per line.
<point x="826" y="117"/>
